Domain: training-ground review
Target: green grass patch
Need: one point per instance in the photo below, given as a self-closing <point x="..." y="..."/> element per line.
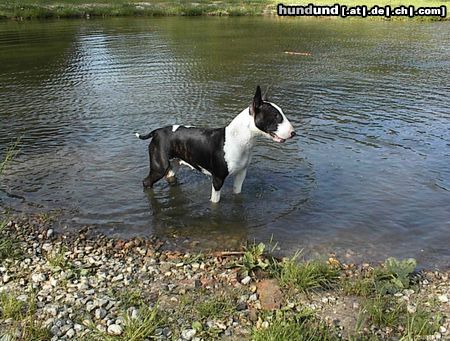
<point x="25" y="325"/>
<point x="26" y="9"/>
<point x="141" y="328"/>
<point x="130" y="297"/>
<point x="58" y="260"/>
<point x="9" y="247"/>
<point x="10" y="306"/>
<point x="215" y="307"/>
<point x="411" y="323"/>
<point x="308" y="275"/>
<point x="300" y="326"/>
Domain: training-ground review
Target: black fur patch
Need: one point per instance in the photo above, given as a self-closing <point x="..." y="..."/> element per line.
<point x="201" y="148"/>
<point x="267" y="118"/>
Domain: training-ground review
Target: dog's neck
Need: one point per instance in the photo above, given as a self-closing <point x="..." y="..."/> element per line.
<point x="243" y="129"/>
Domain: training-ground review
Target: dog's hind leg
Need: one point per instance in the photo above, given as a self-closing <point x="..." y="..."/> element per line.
<point x="239" y="178"/>
<point x="159" y="165"/>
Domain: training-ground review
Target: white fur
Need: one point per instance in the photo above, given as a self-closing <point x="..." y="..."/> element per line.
<point x="175" y="127"/>
<point x="170" y="174"/>
<point x="239" y="140"/>
<point x="239" y="180"/>
<point x="215" y="195"/>
<point x="182" y="162"/>
<point x="204" y="171"/>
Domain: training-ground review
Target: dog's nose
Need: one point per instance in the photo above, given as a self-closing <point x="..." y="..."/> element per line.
<point x="293" y="134"/>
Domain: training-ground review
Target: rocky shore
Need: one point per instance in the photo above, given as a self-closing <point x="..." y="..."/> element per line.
<point x="91" y="287"/>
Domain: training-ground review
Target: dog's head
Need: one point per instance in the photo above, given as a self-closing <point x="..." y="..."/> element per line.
<point x="270" y="119"/>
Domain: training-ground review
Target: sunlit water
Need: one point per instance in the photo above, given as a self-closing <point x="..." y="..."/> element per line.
<point x="368" y="175"/>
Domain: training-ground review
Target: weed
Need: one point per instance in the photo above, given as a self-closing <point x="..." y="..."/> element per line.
<point x="391" y="277"/>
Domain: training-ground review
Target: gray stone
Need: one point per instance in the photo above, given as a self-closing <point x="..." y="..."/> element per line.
<point x="38" y="277"/>
<point x="188" y="334"/>
<point x="115" y="329"/>
<point x="49" y="233"/>
<point x="100" y="313"/>
<point x="70" y="333"/>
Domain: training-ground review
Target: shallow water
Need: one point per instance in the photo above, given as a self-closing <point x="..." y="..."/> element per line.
<point x="367" y="177"/>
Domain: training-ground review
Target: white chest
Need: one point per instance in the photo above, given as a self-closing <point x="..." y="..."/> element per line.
<point x="239" y="142"/>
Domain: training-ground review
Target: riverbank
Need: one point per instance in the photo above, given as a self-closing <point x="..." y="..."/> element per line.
<point x="88" y="286"/>
<point x="43" y="9"/>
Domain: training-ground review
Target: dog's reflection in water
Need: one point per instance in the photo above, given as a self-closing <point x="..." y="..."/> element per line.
<point x="178" y="218"/>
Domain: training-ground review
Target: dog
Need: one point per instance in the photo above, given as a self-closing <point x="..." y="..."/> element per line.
<point x="216" y="152"/>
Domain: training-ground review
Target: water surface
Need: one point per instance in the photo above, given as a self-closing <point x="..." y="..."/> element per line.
<point x="368" y="176"/>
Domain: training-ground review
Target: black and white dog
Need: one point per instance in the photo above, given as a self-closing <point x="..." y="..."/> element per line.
<point x="216" y="152"/>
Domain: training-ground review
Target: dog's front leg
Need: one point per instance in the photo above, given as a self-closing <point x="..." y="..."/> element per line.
<point x="215" y="191"/>
<point x="239" y="180"/>
<point x="215" y="195"/>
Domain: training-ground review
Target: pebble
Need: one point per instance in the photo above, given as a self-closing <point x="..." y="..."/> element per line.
<point x="115" y="329"/>
<point x="97" y="283"/>
<point x="443" y="298"/>
<point x="188" y="334"/>
<point x="22" y="298"/>
<point x="100" y="313"/>
<point x="6" y="278"/>
<point x="246" y="280"/>
<point x="70" y="333"/>
<point x="49" y="233"/>
<point x="38" y="277"/>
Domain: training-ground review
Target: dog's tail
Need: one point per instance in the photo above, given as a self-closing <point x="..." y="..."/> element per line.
<point x="146" y="136"/>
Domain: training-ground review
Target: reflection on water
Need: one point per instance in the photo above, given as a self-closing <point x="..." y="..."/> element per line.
<point x="368" y="172"/>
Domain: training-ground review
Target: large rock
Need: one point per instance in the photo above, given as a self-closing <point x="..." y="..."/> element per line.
<point x="270" y="295"/>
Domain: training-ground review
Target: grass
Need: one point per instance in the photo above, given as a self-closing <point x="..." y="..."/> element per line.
<point x="130" y="297"/>
<point x="308" y="275"/>
<point x="299" y="326"/>
<point x="136" y="329"/>
<point x="26" y="9"/>
<point x="215" y="307"/>
<point x="10" y="306"/>
<point x="8" y="246"/>
<point x="411" y="324"/>
<point x="24" y="324"/>
<point x="58" y="261"/>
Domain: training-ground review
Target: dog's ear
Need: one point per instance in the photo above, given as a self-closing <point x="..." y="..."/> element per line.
<point x="257" y="101"/>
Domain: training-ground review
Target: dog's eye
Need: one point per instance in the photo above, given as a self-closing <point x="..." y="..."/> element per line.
<point x="278" y="117"/>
